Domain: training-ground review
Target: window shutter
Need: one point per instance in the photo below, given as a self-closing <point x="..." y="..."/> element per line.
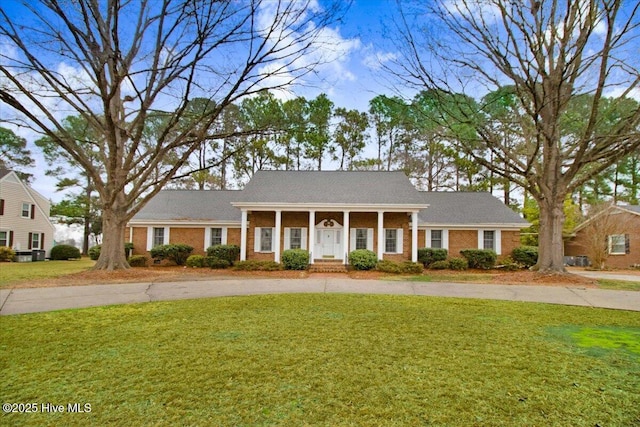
<point x="33" y="211"/>
<point x="30" y="240"/>
<point x="1" y="206"/>
<point x="427" y="238"/>
<point x="42" y="241"/>
<point x="497" y="241"/>
<point x="370" y="238"/>
<point x="207" y="237"/>
<point x="10" y="239"/>
<point x="627" y="246"/>
<point x="399" y="248"/>
<point x="445" y="239"/>
<point x="224" y="235"/>
<point x="303" y="244"/>
<point x="149" y="238"/>
<point x="256" y="239"/>
<point x="287" y="238"/>
<point x="352" y="238"/>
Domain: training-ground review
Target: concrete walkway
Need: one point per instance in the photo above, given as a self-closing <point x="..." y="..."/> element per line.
<point x="17" y="301"/>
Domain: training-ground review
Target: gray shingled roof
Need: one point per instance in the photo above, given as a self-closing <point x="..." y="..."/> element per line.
<point x="339" y="187"/>
<point x="633" y="208"/>
<point x="466" y="208"/>
<point x="194" y="205"/>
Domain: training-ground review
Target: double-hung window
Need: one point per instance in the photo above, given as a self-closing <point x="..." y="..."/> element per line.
<point x="216" y="236"/>
<point x="26" y="210"/>
<point x="361" y="238"/>
<point x="158" y="236"/>
<point x="295" y="238"/>
<point x="436" y="239"/>
<point x="266" y="239"/>
<point x="489" y="240"/>
<point x="618" y="244"/>
<point x="4" y="238"/>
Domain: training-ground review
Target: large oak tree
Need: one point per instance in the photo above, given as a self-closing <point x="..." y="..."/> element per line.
<point x="549" y="52"/>
<point x="118" y="64"/>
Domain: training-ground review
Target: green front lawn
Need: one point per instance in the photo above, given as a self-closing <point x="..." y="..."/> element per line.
<point x="328" y="360"/>
<point x="14" y="272"/>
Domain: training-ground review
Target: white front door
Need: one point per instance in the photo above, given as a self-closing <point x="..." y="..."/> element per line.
<point x="329" y="243"/>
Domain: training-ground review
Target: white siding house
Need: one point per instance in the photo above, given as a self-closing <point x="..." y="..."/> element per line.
<point x="24" y="216"/>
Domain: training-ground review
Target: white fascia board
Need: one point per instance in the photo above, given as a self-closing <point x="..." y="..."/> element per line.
<point x="495" y="226"/>
<point x="183" y="224"/>
<point x="300" y="207"/>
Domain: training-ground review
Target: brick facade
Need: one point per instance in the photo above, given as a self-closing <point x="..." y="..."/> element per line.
<point x="194" y="236"/>
<point x="578" y="246"/>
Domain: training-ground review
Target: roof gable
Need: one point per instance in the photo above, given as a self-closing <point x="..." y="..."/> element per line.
<point x="330" y="187"/>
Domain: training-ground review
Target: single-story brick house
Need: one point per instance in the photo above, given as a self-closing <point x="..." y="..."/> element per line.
<point x="623" y="242"/>
<point x="328" y="214"/>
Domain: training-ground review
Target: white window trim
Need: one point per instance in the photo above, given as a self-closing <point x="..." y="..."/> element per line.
<point x="34" y="234"/>
<point x="7" y="236"/>
<point x="303" y="238"/>
<point x="22" y="215"/>
<point x="497" y="236"/>
<point x="257" y="246"/>
<point x="207" y="236"/>
<point x="399" y="241"/>
<point x="150" y="236"/>
<point x="445" y="238"/>
<point x="610" y="245"/>
<point x="352" y="238"/>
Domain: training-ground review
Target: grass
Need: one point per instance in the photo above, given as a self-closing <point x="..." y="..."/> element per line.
<point x="12" y="272"/>
<point x="444" y="277"/>
<point x="619" y="285"/>
<point x="326" y="360"/>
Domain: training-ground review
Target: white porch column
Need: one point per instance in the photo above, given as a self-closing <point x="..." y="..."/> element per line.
<point x="277" y="235"/>
<point x="380" y="234"/>
<point x="414" y="236"/>
<point x="243" y="236"/>
<point x="345" y="237"/>
<point x="312" y="235"/>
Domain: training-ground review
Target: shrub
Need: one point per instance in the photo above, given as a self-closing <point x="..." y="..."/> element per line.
<point x="230" y="253"/>
<point x="196" y="261"/>
<point x="458" y="264"/>
<point x="427" y="256"/>
<point x="526" y="255"/>
<point x="295" y="259"/>
<point x="409" y="267"/>
<point x="94" y="252"/>
<point x="484" y="259"/>
<point x="363" y="259"/>
<point x="6" y="253"/>
<point x="509" y="264"/>
<point x="177" y="253"/>
<point x="251" y="265"/>
<point x="138" y="261"/>
<point x="64" y="252"/>
<point x="439" y="265"/>
<point x="388" y="267"/>
<point x="216" y="263"/>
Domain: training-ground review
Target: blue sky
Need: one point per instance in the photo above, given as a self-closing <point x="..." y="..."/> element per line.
<point x="350" y="82"/>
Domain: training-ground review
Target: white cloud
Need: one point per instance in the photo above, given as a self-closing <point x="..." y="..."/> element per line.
<point x="377" y="60"/>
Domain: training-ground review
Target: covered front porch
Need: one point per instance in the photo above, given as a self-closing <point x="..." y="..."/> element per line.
<point x="329" y="233"/>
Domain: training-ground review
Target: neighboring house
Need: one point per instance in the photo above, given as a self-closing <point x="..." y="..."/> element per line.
<point x="24" y="216"/>
<point x="328" y="214"/>
<point x="622" y="238"/>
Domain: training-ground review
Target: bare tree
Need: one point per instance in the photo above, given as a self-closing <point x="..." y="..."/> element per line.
<point x="600" y="228"/>
<point x="117" y="63"/>
<point x="549" y="52"/>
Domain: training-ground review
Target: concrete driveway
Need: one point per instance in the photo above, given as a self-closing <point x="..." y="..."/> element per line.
<point x="18" y="301"/>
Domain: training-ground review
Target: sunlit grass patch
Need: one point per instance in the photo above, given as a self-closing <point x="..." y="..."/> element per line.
<point x="620" y="285"/>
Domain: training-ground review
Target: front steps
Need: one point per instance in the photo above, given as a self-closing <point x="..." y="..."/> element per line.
<point x="327" y="266"/>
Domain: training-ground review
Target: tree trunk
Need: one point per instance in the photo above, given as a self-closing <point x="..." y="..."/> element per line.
<point x="112" y="254"/>
<point x="551" y="244"/>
